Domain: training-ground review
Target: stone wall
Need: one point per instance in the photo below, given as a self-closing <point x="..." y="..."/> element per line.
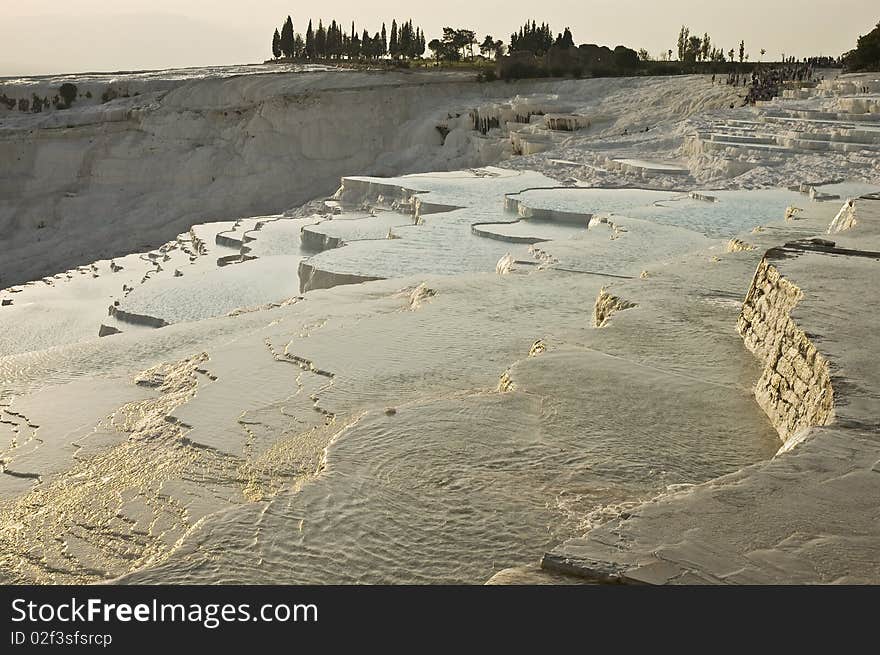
<point x="795" y="387"/>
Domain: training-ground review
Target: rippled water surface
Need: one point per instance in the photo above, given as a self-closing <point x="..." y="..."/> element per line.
<point x="434" y="427"/>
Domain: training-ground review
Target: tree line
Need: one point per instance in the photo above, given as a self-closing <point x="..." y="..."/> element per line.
<point x="538" y="39"/>
<point x="458" y="44"/>
<point x="692" y="48"/>
<point x="405" y="41"/>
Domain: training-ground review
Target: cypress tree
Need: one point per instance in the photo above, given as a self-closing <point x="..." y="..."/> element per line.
<point x="321" y="41"/>
<point x="310" y="42"/>
<point x="334" y="41"/>
<point x="276" y="44"/>
<point x="286" y="41"/>
<point x="421" y="47"/>
<point x="394" y="44"/>
<point x="366" y="45"/>
<point x="405" y="40"/>
<point x="384" y="41"/>
<point x="567" y="39"/>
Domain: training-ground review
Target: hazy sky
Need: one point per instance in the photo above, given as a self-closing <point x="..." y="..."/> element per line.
<point x="55" y="36"/>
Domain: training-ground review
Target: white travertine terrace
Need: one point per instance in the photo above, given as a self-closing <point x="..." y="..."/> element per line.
<point x="226" y="384"/>
<point x="808" y="515"/>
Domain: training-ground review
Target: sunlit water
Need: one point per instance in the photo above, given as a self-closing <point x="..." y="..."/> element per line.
<point x="352" y="437"/>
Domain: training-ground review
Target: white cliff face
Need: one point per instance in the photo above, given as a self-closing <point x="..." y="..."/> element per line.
<point x="103" y="180"/>
<point x="134" y="172"/>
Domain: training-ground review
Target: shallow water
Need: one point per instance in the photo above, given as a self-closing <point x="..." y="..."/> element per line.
<point x="461" y="481"/>
<point x="730" y="213"/>
<point x="354" y="436"/>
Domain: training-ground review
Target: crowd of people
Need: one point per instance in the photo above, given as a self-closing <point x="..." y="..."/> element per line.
<point x="764" y="83"/>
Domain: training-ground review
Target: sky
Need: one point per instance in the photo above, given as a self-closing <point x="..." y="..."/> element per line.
<point x="58" y="36"/>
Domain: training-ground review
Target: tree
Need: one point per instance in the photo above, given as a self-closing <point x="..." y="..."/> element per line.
<point x="377" y="45"/>
<point x="310" y="42"/>
<point x="384" y="41"/>
<point x="405" y="39"/>
<point x="366" y="45"/>
<point x="487" y="47"/>
<point x="644" y="55"/>
<point x="466" y="40"/>
<point x="450" y="45"/>
<point x="764" y="52"/>
<point x="276" y="44"/>
<point x="394" y="43"/>
<point x="705" y="47"/>
<point x="683" y="36"/>
<point x="533" y="38"/>
<point x="564" y="40"/>
<point x="626" y="58"/>
<point x="692" y="49"/>
<point x="321" y="41"/>
<point x="730" y="54"/>
<point x="334" y="41"/>
<point x="742" y="51"/>
<point x="355" y="43"/>
<point x="420" y="43"/>
<point x="286" y="42"/>
<point x="866" y="55"/>
<point x="438" y="48"/>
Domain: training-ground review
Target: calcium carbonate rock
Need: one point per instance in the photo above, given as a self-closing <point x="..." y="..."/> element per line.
<point x="737" y="245"/>
<point x="608" y="305"/>
<point x="420" y="295"/>
<point x="107" y="330"/>
<point x="845" y="219"/>
<point x="537" y="348"/>
<point x="791" y="213"/>
<point x="505" y="383"/>
<point x="505" y="265"/>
